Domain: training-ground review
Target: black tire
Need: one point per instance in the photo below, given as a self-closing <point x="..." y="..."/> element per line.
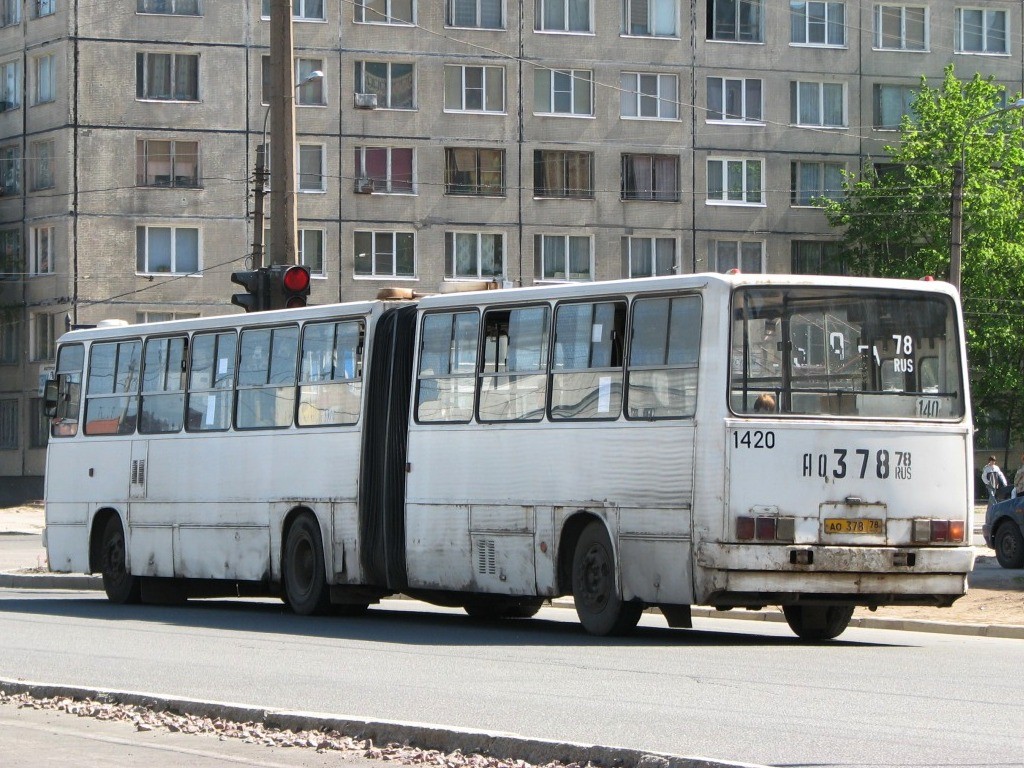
<point x="121" y="587"/>
<point x="498" y="608"/>
<point x="1009" y="545"/>
<point x="599" y="605"/>
<point x="305" y="580"/>
<point x="818" y="622"/>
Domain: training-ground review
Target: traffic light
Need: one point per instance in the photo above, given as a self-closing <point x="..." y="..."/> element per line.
<point x="289" y="286"/>
<point x="254" y="281"/>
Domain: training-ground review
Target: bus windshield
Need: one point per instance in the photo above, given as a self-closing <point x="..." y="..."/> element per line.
<point x="833" y="351"/>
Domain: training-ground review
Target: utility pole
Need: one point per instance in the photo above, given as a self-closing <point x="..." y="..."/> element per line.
<point x="260" y="192"/>
<point x="283" y="209"/>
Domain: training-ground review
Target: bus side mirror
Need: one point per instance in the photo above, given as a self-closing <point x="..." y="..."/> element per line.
<point x="50" y="395"/>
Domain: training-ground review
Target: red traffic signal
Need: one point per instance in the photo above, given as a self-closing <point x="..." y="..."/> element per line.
<point x="289" y="286"/>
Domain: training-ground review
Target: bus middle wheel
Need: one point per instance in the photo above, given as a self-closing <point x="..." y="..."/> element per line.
<point x="305" y="580"/>
<point x="599" y="605"/>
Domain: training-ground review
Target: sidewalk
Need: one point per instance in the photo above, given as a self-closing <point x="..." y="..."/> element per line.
<point x="23" y="566"/>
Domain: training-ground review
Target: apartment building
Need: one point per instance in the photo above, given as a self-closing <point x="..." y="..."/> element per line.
<point x="529" y="141"/>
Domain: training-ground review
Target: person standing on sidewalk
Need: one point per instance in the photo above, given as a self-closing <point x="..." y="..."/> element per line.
<point x="994" y="479"/>
<point x="1018" y="480"/>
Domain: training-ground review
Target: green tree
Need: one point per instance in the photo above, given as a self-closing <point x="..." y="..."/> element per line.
<point x="896" y="222"/>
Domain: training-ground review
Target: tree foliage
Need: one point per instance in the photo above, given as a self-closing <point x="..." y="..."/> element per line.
<point x="896" y="222"/>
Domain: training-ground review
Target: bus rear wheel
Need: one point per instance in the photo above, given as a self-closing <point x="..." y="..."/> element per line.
<point x="305" y="579"/>
<point x="818" y="622"/>
<point x="599" y="605"/>
<point x="121" y="587"/>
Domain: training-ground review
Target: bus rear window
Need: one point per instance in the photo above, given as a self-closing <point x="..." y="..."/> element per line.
<point x="841" y="352"/>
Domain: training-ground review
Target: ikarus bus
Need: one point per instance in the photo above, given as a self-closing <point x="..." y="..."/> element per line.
<point x="734" y="441"/>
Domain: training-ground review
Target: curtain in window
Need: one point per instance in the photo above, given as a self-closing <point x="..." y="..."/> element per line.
<point x="491" y="172"/>
<point x="996" y="32"/>
<point x="638" y="176"/>
<point x="186" y="250"/>
<point x="156" y="163"/>
<point x="463" y="13"/>
<point x="716" y="188"/>
<point x="579" y="15"/>
<point x="158" y="249"/>
<point x="577" y="175"/>
<point x="311" y="167"/>
<point x="401" y="170"/>
<point x="494" y="89"/>
<point x="640" y="257"/>
<point x="809" y="101"/>
<point x="665" y="256"/>
<point x="553" y="257"/>
<point x="547" y="170"/>
<point x="579" y="258"/>
<point x="833" y="104"/>
<point x="186" y="77"/>
<point x="664" y="17"/>
<point x="186" y="163"/>
<point x="311" y="250"/>
<point x="372" y="77"/>
<point x="402" y="86"/>
<point x="809" y="181"/>
<point x="465" y="254"/>
<point x="311" y="9"/>
<point x="375" y="165"/>
<point x="665" y="173"/>
<point x="491" y="257"/>
<point x="639" y="17"/>
<point x="158" y="76"/>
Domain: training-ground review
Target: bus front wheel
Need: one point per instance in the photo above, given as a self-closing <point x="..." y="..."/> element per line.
<point x="818" y="622"/>
<point x="121" y="587"/>
<point x="305" y="580"/>
<point x="599" y="605"/>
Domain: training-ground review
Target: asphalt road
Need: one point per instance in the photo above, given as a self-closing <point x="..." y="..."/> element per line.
<point x="751" y="693"/>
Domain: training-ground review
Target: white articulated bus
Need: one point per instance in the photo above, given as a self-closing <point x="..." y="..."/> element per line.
<point x="734" y="441"/>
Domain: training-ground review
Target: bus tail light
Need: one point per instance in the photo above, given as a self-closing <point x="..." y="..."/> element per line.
<point x="765" y="528"/>
<point x="938" y="531"/>
<point x="744" y="528"/>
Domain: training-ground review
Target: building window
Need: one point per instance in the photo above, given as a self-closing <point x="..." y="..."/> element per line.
<point x="562" y="16"/>
<point x="901" y="27"/>
<point x="384" y="11"/>
<point x="649" y="96"/>
<point x="648" y="256"/>
<point x="41" y="164"/>
<point x="980" y="31"/>
<point x="311" y="251"/>
<point x="39" y="435"/>
<point x="649" y="18"/>
<point x="743" y="255"/>
<point x="163" y="317"/>
<point x="47" y="8"/>
<point x="311" y="167"/>
<point x="10" y="12"/>
<point x="563" y="174"/>
<point x="393" y="84"/>
<point x="384" y="254"/>
<point x="817" y="257"/>
<point x="303" y="10"/>
<point x="473" y="255"/>
<point x="817" y="104"/>
<point x="10" y="170"/>
<point x="735" y="20"/>
<point x="817" y="23"/>
<point x="735" y="181"/>
<point x="812" y="181"/>
<point x="10" y="85"/>
<point x="170" y="7"/>
<point x="891" y="103"/>
<point x="10" y="254"/>
<point x="163" y="250"/>
<point x="650" y="177"/>
<point x="563" y="92"/>
<point x="474" y="89"/>
<point x="309" y="94"/>
<point x="474" y="14"/>
<point x="40" y="250"/>
<point x="44" y="334"/>
<point x="9" y="334"/>
<point x="385" y="169"/>
<point x="472" y="171"/>
<point x="563" y="257"/>
<point x="734" y="100"/>
<point x="8" y="424"/>
<point x="162" y="163"/>
<point x="45" y="89"/>
<point x="167" y="76"/>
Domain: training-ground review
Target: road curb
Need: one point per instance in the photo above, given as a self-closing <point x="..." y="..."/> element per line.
<point x="508" y="746"/>
<point x="1005" y="631"/>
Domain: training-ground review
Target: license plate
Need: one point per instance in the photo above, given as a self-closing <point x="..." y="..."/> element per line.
<point x="868" y="526"/>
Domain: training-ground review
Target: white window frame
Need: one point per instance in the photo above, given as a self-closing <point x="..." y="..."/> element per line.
<point x="374" y="275"/>
<point x="876" y="107"/>
<point x="803" y="15"/>
<point x="322" y="149"/>
<point x="44" y="8"/>
<point x="628" y="243"/>
<point x="175" y="56"/>
<point x="713" y="254"/>
<point x="452" y="235"/>
<point x="737" y="27"/>
<point x="797" y="192"/>
<point x="173" y="272"/>
<point x="173" y="11"/>
<point x="360" y="67"/>
<point x="540" y="257"/>
<point x="539" y="15"/>
<point x="878" y="38"/>
<point x="487" y="72"/>
<point x="40" y="250"/>
<point x="389" y="180"/>
<point x="666" y="99"/>
<point x="796" y="95"/>
<point x="449" y="16"/>
<point x="725" y="119"/>
<point x="303" y="68"/>
<point x="142" y="154"/>
<point x="10" y="12"/>
<point x="10" y="83"/>
<point x="365" y="15"/>
<point x="576" y="81"/>
<point x="143" y="316"/>
<point x="42" y="328"/>
<point x="37" y="178"/>
<point x="298" y="11"/>
<point x="300" y="245"/>
<point x="44" y="86"/>
<point x="746" y="164"/>
<point x="652" y="23"/>
<point x="958" y="31"/>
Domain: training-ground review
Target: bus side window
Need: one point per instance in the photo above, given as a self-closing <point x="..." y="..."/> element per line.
<point x="586" y="381"/>
<point x="163" y="386"/>
<point x="663" y="358"/>
<point x="64" y="419"/>
<point x="266" y="378"/>
<point x="111" y="394"/>
<point x="447" y="371"/>
<point x="513" y="378"/>
<point x="211" y="378"/>
<point x="330" y="386"/>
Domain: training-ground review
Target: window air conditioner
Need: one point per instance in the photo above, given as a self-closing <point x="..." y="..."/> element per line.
<point x="364" y="186"/>
<point x="366" y="101"/>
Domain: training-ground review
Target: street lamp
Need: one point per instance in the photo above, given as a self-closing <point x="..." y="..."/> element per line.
<point x="956" y="202"/>
<point x="260" y="182"/>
